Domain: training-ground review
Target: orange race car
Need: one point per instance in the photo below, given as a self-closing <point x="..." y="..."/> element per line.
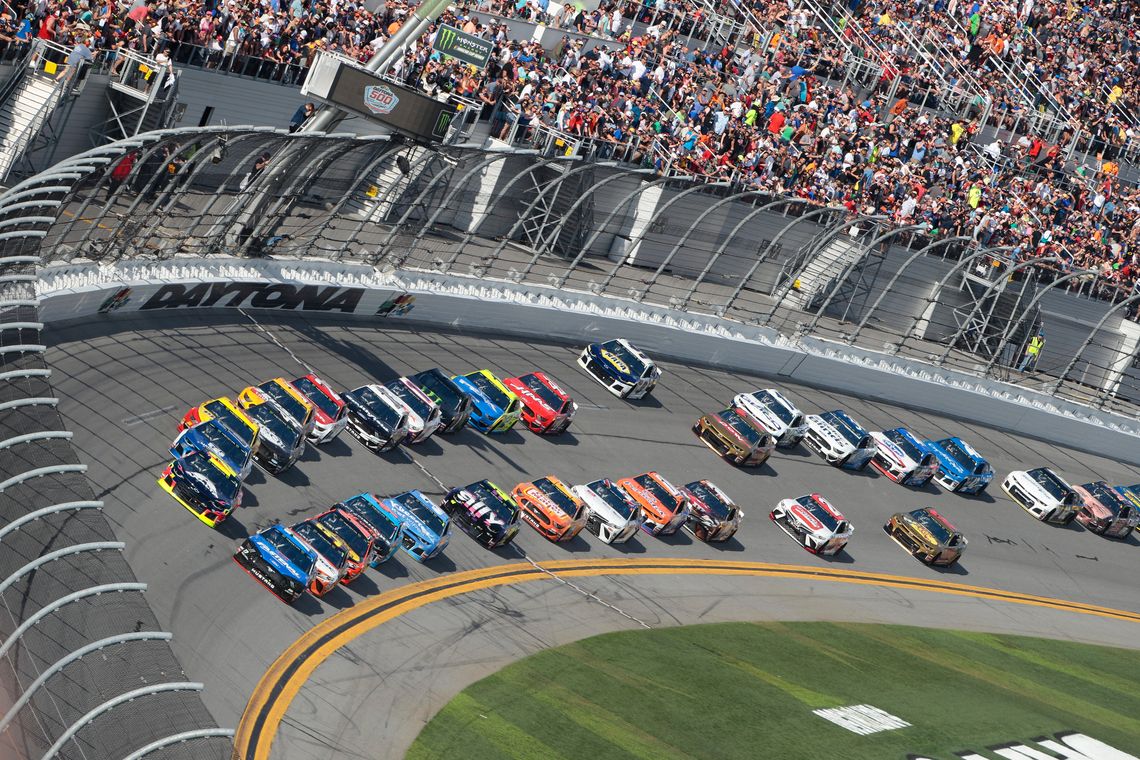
<point x="550" y="508"/>
<point x="665" y="508"/>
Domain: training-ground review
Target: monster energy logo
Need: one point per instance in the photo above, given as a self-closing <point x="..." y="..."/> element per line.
<point x="442" y="123"/>
<point x="465" y="47"/>
<point x="446" y="39"/>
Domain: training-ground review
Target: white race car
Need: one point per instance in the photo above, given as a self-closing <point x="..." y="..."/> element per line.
<point x="423" y="414"/>
<point x="903" y="458"/>
<point x="610" y="514"/>
<point x="814" y="523"/>
<point x="1043" y="494"/>
<point x="774" y="413"/>
<point x="840" y="440"/>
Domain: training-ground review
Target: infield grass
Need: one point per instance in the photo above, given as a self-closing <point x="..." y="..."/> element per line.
<point x="741" y="690"/>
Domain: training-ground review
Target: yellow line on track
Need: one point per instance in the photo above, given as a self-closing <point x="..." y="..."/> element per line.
<point x="288" y="674"/>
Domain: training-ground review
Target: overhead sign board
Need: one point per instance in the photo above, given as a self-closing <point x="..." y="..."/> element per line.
<point x="465" y="47"/>
<point x="401" y="108"/>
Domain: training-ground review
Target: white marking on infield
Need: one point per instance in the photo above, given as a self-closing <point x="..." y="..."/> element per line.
<point x="862" y="719"/>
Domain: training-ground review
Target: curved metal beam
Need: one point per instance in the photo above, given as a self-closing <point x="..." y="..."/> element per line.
<point x="1088" y="341"/>
<point x="63" y="601"/>
<point x="43" y="435"/>
<point x="36" y="401"/>
<point x="43" y="559"/>
<point x="39" y="472"/>
<point x="45" y="511"/>
<point x="185" y="736"/>
<point x="110" y="704"/>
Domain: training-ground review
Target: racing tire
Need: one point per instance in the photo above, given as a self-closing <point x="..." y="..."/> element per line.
<point x="1069" y="520"/>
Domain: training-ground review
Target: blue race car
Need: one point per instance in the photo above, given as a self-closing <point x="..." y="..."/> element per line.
<point x="494" y="407"/>
<point x="961" y="469"/>
<point x="215" y="437"/>
<point x="386" y="528"/>
<point x="624" y="371"/>
<point x="425" y="525"/>
<point x="279" y="561"/>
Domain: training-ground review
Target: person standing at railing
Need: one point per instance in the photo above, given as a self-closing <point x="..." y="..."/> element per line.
<point x="81" y="53"/>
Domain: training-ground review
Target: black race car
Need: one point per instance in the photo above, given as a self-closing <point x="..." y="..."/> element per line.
<point x="281" y="442"/>
<point x="376" y="417"/>
<point x="485" y="512"/>
<point x="454" y="405"/>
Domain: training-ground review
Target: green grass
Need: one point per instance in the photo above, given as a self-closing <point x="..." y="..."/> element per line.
<point x="742" y="690"/>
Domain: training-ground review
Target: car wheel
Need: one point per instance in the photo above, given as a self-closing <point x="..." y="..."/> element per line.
<point x="1068" y="520"/>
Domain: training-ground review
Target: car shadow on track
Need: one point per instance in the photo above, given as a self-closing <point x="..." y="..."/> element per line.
<point x="799" y="451"/>
<point x="955" y="569"/>
<point x="362" y="585"/>
<point x="440" y="564"/>
<point x="294" y="477"/>
<point x="428" y="448"/>
<point x="680" y="538"/>
<point x="308" y="606"/>
<point x="929" y="487"/>
<point x="337" y="447"/>
<point x="338" y="598"/>
<point x="393" y="570"/>
<point x="575" y="545"/>
<point x="232" y="528"/>
<point x="565" y="438"/>
<point x="649" y="402"/>
<point x="731" y="545"/>
<point x="984" y="497"/>
<point x="842" y="558"/>
<point x="632" y="546"/>
<point x="256" y="477"/>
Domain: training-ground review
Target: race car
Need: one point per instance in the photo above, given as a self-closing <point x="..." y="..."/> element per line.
<point x="663" y="505"/>
<point x="376" y="417"/>
<point x="927" y="535"/>
<point x="1043" y="494"/>
<point x="485" y="512"/>
<point x="215" y="437"/>
<point x="903" y="458"/>
<point x="814" y="523"/>
<point x="454" y="405"/>
<point x="773" y="413"/>
<point x="1105" y="511"/>
<point x="280" y="561"/>
<point x="494" y="408"/>
<point x="283" y="397"/>
<point x="735" y="438"/>
<point x="332" y="556"/>
<point x="610" y="514"/>
<point x="1132" y="493"/>
<point x="961" y="469"/>
<point x="713" y="517"/>
<point x="624" y="371"/>
<point x="426" y="527"/>
<point x="203" y="484"/>
<point x="357" y="540"/>
<point x="281" y="442"/>
<point x="384" y="527"/>
<point x="423" y="414"/>
<point x="550" y="507"/>
<point x="328" y="409"/>
<point x="546" y="408"/>
<point x="223" y="409"/>
<point x="839" y="439"/>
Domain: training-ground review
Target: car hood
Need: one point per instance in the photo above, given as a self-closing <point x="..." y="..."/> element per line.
<point x="276" y="560"/>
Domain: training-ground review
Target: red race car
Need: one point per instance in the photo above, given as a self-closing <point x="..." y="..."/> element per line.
<point x="546" y="408"/>
<point x="328" y="408"/>
<point x="357" y="539"/>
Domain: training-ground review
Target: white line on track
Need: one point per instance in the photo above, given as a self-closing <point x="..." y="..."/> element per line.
<point x="273" y="338"/>
<point x="138" y="418"/>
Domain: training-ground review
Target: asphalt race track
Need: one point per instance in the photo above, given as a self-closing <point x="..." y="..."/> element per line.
<point x="124" y="381"/>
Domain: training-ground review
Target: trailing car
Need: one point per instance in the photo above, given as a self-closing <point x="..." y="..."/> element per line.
<point x="840" y="440"/>
<point x="203" y="484"/>
<point x="215" y="437"/>
<point x="485" y="512"/>
<point x="357" y="540"/>
<point x="814" y="523"/>
<point x="376" y="417"/>
<point x="332" y="556"/>
<point x="713" y="516"/>
<point x="550" y="507"/>
<point x="1132" y="493"/>
<point x="927" y="535"/>
<point x="1105" y="510"/>
<point x="454" y="405"/>
<point x="903" y="458"/>
<point x="383" y="526"/>
<point x="283" y="397"/>
<point x="1043" y="494"/>
<point x="278" y="560"/>
<point x="234" y="418"/>
<point x="426" y="527"/>
<point x="664" y="506"/>
<point x="625" y="371"/>
<point x="610" y="514"/>
<point x="329" y="417"/>
<point x="281" y="442"/>
<point x="961" y="469"/>
<point x="735" y="438"/>
<point x="494" y="408"/>
<point x="423" y="415"/>
<point x="546" y="408"/>
<point x="775" y="414"/>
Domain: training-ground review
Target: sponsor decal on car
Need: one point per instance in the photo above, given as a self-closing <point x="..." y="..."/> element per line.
<point x="617" y="363"/>
<point x="806" y="517"/>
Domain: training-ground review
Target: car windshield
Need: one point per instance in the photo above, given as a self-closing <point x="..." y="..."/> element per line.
<point x="221" y="441"/>
<point x="286" y="400"/>
<point x="438" y="384"/>
<point x="1106" y="495"/>
<point x="273" y="426"/>
<point x="903" y="442"/>
<point x="830" y="521"/>
<point x="316" y="396"/>
<point x="294" y="554"/>
<point x="557" y="495"/>
<point x="378" y="407"/>
<point x="347" y="532"/>
<point x="220" y="411"/>
<point x="550" y="397"/>
<point x="716" y="505"/>
<point x="360" y="507"/>
<point x="1053" y="486"/>
<point x="414" y="400"/>
<point x="637" y="368"/>
<point x="845" y="427"/>
<point x="320" y="543"/>
<point x="489" y="389"/>
<point x="786" y="415"/>
<point x="427" y="515"/>
<point x="205" y="475"/>
<point x="936" y="527"/>
<point x="742" y="426"/>
<point x="659" y="491"/>
<point x="959" y="454"/>
<point x="490" y="497"/>
<point x="617" y="501"/>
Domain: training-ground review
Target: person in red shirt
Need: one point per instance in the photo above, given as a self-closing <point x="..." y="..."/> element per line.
<point x="137" y="15"/>
<point x="776" y="122"/>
